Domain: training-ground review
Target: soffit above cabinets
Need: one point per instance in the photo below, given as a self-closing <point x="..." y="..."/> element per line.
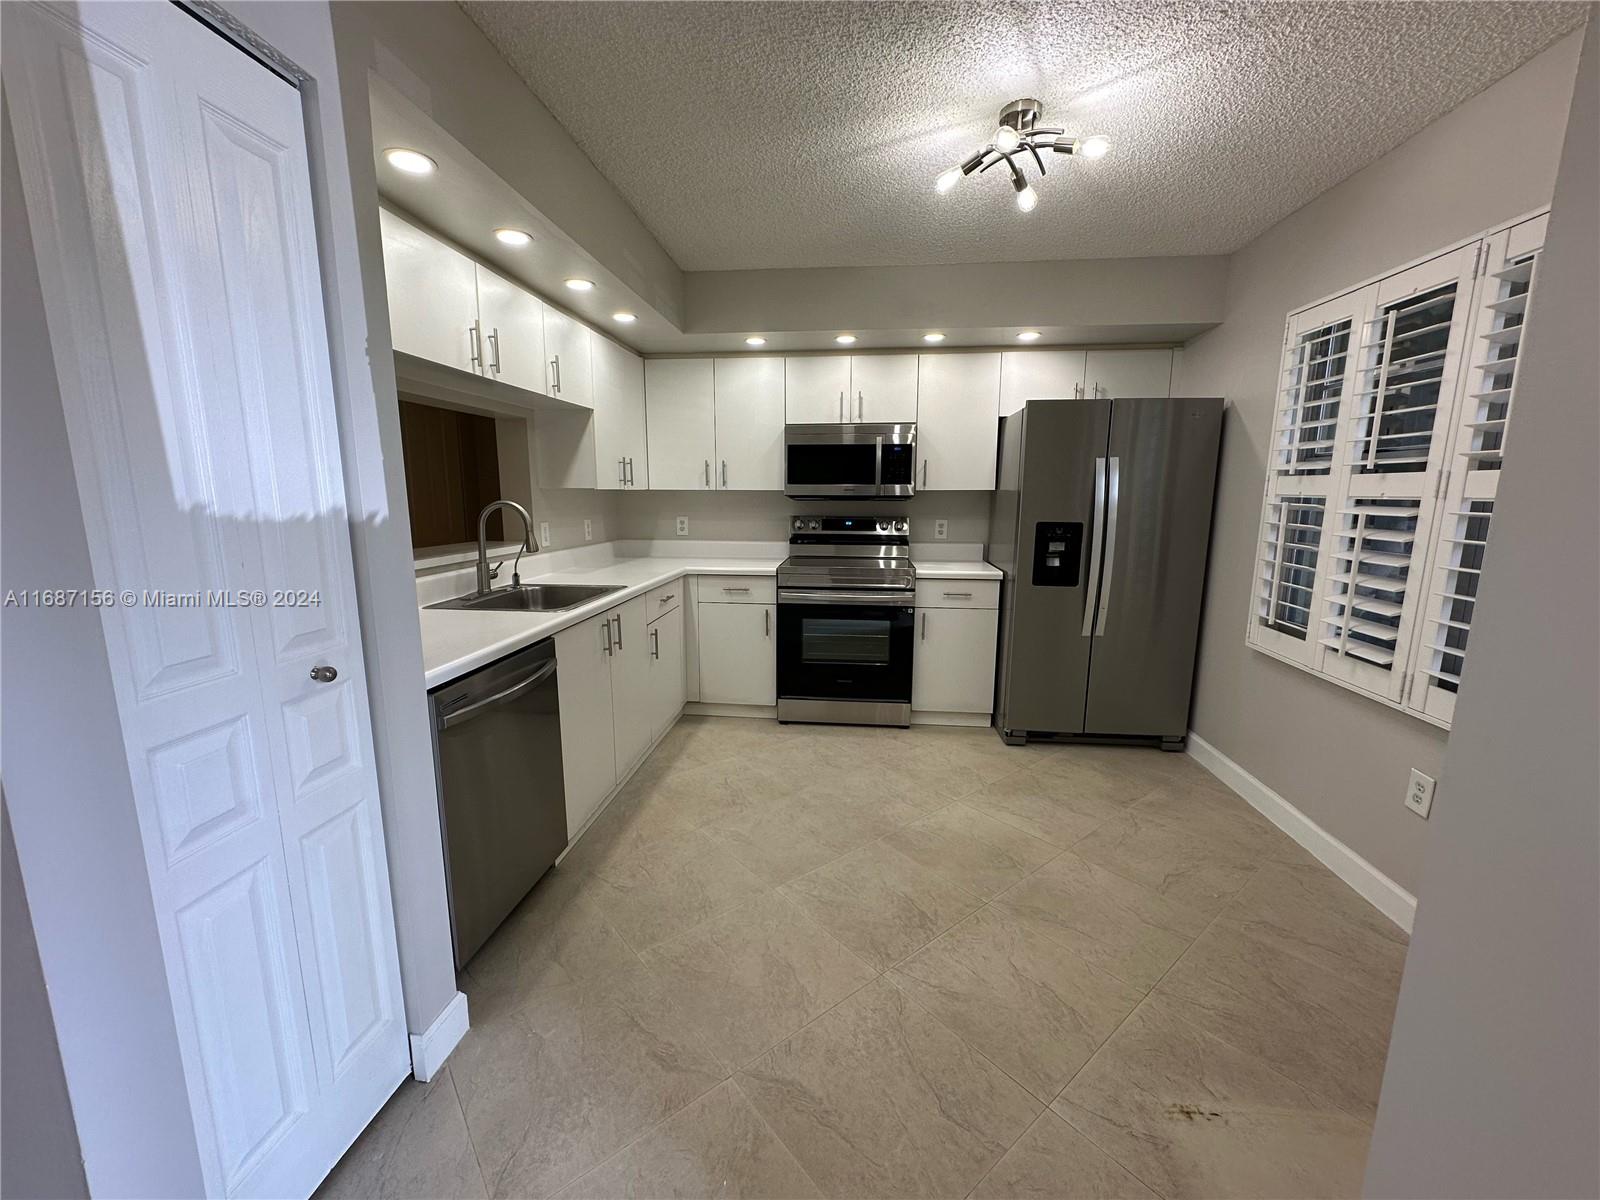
<point x="766" y="135"/>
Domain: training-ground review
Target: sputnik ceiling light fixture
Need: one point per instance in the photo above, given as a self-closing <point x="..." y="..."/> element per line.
<point x="1020" y="133"/>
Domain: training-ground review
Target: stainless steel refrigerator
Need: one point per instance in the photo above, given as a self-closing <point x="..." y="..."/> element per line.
<point x="1100" y="523"/>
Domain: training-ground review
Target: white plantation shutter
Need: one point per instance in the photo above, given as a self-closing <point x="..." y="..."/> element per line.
<point x="1291" y="543"/>
<point x="1370" y="597"/>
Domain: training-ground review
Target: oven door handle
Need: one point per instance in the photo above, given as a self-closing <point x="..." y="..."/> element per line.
<point x="877" y="599"/>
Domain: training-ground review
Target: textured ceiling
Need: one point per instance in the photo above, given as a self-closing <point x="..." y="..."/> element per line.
<point x="782" y="134"/>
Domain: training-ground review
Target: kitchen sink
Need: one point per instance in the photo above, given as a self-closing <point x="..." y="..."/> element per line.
<point x="531" y="597"/>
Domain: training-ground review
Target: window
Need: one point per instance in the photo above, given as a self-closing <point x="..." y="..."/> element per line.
<point x="452" y="467"/>
<point x="1391" y="426"/>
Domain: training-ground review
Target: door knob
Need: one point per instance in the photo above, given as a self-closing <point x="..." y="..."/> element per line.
<point x="324" y="674"/>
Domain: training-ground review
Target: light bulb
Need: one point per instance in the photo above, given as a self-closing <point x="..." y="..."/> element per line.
<point x="412" y="162"/>
<point x="1028" y="335"/>
<point x="846" y="339"/>
<point x="512" y="237"/>
<point x="755" y="341"/>
<point x="1027" y="199"/>
<point x="626" y="318"/>
<point x="933" y="337"/>
<point x="581" y="285"/>
<point x="948" y="180"/>
<point x="1007" y="138"/>
<point x="1097" y="146"/>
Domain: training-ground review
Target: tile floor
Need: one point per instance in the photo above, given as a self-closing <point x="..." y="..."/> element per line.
<point x="819" y="961"/>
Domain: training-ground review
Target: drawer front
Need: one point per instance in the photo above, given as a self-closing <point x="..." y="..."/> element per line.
<point x="737" y="589"/>
<point x="958" y="593"/>
<point x="658" y="602"/>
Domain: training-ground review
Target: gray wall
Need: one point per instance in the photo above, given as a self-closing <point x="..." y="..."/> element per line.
<point x="1338" y="757"/>
<point x="1493" y="1081"/>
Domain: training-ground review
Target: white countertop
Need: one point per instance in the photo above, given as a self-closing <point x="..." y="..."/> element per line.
<point x="455" y="641"/>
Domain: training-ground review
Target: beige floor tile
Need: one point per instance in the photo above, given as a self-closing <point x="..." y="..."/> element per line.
<point x="1053" y="1160"/>
<point x="649" y="901"/>
<point x="547" y="944"/>
<point x="879" y="903"/>
<point x="1047" y="806"/>
<point x="971" y="849"/>
<point x="554" y="1086"/>
<point x="1318" y="1028"/>
<point x="718" y="1146"/>
<point x="1194" y="1117"/>
<point x="1118" y="925"/>
<point x="1191" y="870"/>
<point x="1213" y="812"/>
<point x="751" y="977"/>
<point x="416" y="1148"/>
<point x="878" y="1099"/>
<point x="1033" y="1007"/>
<point x="793" y="834"/>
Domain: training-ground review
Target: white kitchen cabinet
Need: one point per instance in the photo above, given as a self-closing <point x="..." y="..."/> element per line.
<point x="883" y="388"/>
<point x="680" y="414"/>
<point x="1039" y="375"/>
<point x="749" y="424"/>
<point x="433" y="295"/>
<point x="958" y="413"/>
<point x="814" y="389"/>
<point x="569" y="368"/>
<point x="511" y="333"/>
<point x="630" y="684"/>
<point x="588" y="755"/>
<point x="1108" y="374"/>
<point x="619" y="418"/>
<point x="665" y="637"/>
<point x="953" y="666"/>
<point x="738" y="653"/>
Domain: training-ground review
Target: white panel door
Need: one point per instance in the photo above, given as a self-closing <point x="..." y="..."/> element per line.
<point x="168" y="188"/>
<point x="583" y="686"/>
<point x="619" y="418"/>
<point x="738" y="655"/>
<point x="569" y="365"/>
<point x="953" y="667"/>
<point x="510" y="333"/>
<point x="1039" y="375"/>
<point x="883" y="388"/>
<point x="958" y="422"/>
<point x="1111" y="373"/>
<point x="666" y="670"/>
<point x="680" y="411"/>
<point x="749" y="395"/>
<point x="630" y="684"/>
<point x="814" y="388"/>
<point x="433" y="295"/>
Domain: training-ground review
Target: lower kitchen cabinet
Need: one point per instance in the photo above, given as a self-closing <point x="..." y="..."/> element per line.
<point x="630" y="684"/>
<point x="666" y="691"/>
<point x="588" y="754"/>
<point x="738" y="653"/>
<point x="953" y="668"/>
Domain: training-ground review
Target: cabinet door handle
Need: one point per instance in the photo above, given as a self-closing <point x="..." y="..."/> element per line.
<point x="475" y="344"/>
<point x="669" y="598"/>
<point x="708" y="472"/>
<point x="924" y="626"/>
<point x="861" y="407"/>
<point x="924" y="472"/>
<point x="958" y="595"/>
<point x="622" y="472"/>
<point x="630" y="472"/>
<point x="841" y="406"/>
<point x="618" y="620"/>
<point x="655" y="643"/>
<point x="735" y="589"/>
<point x="555" y="368"/>
<point x="766" y="622"/>
<point x="494" y="344"/>
<point x="724" y="473"/>
<point x="607" y="646"/>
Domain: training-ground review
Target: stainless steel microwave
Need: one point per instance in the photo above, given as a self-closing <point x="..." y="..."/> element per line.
<point x="853" y="462"/>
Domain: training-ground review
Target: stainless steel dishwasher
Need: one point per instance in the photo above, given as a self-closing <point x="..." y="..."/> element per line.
<point x="502" y="803"/>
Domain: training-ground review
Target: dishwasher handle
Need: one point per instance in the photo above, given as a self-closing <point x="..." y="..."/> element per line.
<point x="501" y="697"/>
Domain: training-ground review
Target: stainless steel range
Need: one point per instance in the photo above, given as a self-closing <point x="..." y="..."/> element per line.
<point x="846" y="613"/>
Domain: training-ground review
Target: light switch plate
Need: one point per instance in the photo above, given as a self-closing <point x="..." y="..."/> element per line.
<point x="588" y="530"/>
<point x="1419" y="793"/>
<point x="683" y="526"/>
<point x="544" y="533"/>
<point x="941" y="530"/>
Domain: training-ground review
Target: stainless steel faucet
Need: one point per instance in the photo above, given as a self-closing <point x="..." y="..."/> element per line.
<point x="485" y="580"/>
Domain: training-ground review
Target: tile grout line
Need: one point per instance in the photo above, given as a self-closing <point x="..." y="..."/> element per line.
<point x="472" y="1145"/>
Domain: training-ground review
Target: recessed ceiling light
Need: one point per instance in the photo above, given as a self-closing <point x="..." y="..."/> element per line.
<point x="513" y="237"/>
<point x="1028" y="335"/>
<point x="412" y="162"/>
<point x="755" y="341"/>
<point x="846" y="339"/>
<point x="581" y="285"/>
<point x="933" y="337"/>
<point x="627" y="318"/>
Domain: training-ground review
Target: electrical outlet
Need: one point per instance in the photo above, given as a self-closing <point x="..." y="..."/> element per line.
<point x="1419" y="793"/>
<point x="683" y="526"/>
<point x="544" y="533"/>
<point x="588" y="530"/>
<point x="941" y="530"/>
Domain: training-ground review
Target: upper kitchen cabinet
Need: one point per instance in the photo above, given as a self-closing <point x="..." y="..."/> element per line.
<point x="883" y="389"/>
<point x="619" y="418"/>
<point x="815" y="388"/>
<point x="1108" y="374"/>
<point x="511" y="333"/>
<point x="680" y="414"/>
<point x="958" y="415"/>
<point x="1039" y="375"/>
<point x="433" y="296"/>
<point x="749" y="424"/>
<point x="569" y="372"/>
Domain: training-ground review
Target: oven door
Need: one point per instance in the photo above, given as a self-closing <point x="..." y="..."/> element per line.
<point x="844" y="645"/>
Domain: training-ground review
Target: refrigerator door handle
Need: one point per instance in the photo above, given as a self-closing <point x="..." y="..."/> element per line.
<point x="1091" y="593"/>
<point x="1112" y="490"/>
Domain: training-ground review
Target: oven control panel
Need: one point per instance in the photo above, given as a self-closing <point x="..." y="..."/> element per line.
<point x="864" y="527"/>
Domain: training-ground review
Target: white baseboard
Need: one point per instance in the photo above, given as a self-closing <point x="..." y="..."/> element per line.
<point x="1383" y="893"/>
<point x="430" y="1049"/>
<point x="697" y="709"/>
<point x="935" y="716"/>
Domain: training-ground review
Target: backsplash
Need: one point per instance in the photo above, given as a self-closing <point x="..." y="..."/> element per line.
<point x="764" y="516"/>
